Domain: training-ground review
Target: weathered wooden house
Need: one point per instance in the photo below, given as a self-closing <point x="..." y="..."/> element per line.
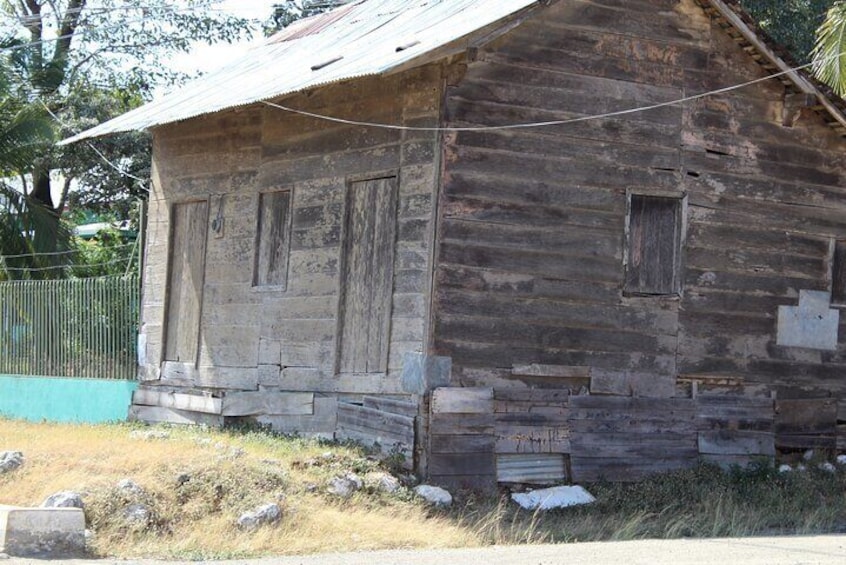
<point x="362" y="229"/>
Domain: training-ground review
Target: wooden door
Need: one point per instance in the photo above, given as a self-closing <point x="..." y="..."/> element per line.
<point x="367" y="276"/>
<point x="185" y="283"/>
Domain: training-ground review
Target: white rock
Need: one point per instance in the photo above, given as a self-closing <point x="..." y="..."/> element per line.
<point x="841" y="459"/>
<point x="63" y="499"/>
<point x="345" y="485"/>
<point x="801" y="468"/>
<point x="827" y="467"/>
<point x="149" y="435"/>
<point x="556" y="497"/>
<point x="10" y="460"/>
<point x="808" y="455"/>
<point x="785" y="468"/>
<point x="382" y="482"/>
<point x="433" y="495"/>
<point x="266" y="514"/>
<point x="137" y="513"/>
<point x="130" y="487"/>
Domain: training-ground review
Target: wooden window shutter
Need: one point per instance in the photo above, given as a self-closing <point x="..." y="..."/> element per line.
<point x="838" y="273"/>
<point x="654" y="245"/>
<point x="273" y="239"/>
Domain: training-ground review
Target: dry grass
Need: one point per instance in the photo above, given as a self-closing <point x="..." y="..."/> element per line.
<point x="197" y="482"/>
<point x="230" y="473"/>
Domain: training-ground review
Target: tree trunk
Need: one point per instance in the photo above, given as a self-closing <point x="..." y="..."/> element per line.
<point x="45" y="239"/>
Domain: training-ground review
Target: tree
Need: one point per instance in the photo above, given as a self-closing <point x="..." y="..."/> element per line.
<point x="792" y="23"/>
<point x="26" y="227"/>
<point x="830" y="49"/>
<point x="89" y="60"/>
<point x="286" y="13"/>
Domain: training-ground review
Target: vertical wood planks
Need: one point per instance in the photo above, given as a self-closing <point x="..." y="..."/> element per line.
<point x="273" y="239"/>
<point x="185" y="285"/>
<point x="654" y="226"/>
<point x="367" y="280"/>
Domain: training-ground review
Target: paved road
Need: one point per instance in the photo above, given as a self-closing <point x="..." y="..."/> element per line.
<point x="746" y="551"/>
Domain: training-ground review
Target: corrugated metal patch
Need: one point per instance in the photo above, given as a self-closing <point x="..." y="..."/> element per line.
<point x="545" y="468"/>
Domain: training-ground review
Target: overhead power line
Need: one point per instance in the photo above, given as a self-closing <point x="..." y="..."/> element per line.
<point x="67" y="266"/>
<point x="89" y="30"/>
<point x="530" y="125"/>
<point x="57" y="253"/>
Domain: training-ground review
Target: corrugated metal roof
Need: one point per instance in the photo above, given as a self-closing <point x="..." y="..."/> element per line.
<point x="367" y="37"/>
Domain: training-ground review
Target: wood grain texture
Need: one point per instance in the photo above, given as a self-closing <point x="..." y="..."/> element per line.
<point x="367" y="278"/>
<point x="274" y="239"/>
<point x="185" y="284"/>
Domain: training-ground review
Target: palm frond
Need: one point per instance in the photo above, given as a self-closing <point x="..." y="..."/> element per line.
<point x="829" y="54"/>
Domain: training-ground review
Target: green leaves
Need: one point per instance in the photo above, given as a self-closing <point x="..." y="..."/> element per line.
<point x="792" y="23"/>
<point x="829" y="54"/>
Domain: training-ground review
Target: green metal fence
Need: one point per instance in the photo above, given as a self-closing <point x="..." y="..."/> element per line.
<point x="70" y="328"/>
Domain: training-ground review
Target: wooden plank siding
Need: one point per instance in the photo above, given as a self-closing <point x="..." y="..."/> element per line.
<point x="269" y="321"/>
<point x="532" y="235"/>
<point x="590" y="334"/>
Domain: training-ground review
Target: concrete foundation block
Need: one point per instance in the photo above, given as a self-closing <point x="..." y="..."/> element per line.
<point x="42" y="532"/>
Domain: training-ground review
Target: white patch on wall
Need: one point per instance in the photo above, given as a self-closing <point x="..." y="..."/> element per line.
<point x="812" y="324"/>
<point x="142" y="350"/>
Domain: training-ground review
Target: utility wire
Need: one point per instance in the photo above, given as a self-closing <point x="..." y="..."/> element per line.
<point x="89" y="30"/>
<point x="142" y="182"/>
<point x="68" y="266"/>
<point x="545" y="123"/>
<point x="57" y="253"/>
<point x="106" y="9"/>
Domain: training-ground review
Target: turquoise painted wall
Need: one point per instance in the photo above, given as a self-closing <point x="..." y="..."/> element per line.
<point x="58" y="399"/>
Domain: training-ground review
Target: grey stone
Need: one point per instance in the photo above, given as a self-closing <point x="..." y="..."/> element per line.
<point x="137" y="514"/>
<point x="555" y="497"/>
<point x="42" y="532"/>
<point x="345" y="485"/>
<point x="382" y="482"/>
<point x="785" y="468"/>
<point x="423" y="373"/>
<point x="827" y="467"/>
<point x="149" y="435"/>
<point x="841" y="460"/>
<point x="263" y="515"/>
<point x="808" y="455"/>
<point x="434" y="495"/>
<point x="10" y="460"/>
<point x="130" y="487"/>
<point x="64" y="499"/>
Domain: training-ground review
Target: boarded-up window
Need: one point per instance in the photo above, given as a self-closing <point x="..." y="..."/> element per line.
<point x="838" y="274"/>
<point x="273" y="239"/>
<point x="654" y="242"/>
<point x="367" y="283"/>
<point x="185" y="283"/>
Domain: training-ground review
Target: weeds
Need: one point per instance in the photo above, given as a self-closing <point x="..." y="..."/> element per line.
<point x="197" y="482"/>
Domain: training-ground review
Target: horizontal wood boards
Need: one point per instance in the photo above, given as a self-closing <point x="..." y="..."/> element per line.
<point x="384" y="423"/>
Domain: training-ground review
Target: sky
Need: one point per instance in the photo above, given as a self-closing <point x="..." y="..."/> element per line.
<point x="207" y="58"/>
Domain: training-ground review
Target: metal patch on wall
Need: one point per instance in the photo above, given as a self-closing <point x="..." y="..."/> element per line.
<point x="813" y="324"/>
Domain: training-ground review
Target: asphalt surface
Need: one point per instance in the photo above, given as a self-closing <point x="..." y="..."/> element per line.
<point x="745" y="551"/>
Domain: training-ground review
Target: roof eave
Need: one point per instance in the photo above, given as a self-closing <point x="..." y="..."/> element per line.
<point x="782" y="67"/>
